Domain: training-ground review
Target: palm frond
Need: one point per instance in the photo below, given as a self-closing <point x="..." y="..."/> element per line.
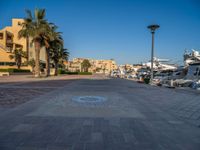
<point x="29" y="15"/>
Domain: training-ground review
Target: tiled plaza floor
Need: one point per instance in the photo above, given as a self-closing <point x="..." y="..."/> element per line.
<point x="134" y="116"/>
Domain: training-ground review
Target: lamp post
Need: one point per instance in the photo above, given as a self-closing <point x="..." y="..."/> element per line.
<point x="152" y="29"/>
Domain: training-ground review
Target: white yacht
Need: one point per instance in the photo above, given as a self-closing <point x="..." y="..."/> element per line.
<point x="161" y="64"/>
<point x="191" y="57"/>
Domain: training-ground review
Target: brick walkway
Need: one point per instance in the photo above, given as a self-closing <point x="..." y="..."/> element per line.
<point x="135" y="116"/>
<point x="18" y="89"/>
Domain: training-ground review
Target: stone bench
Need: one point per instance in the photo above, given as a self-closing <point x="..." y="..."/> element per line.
<point x="4" y="73"/>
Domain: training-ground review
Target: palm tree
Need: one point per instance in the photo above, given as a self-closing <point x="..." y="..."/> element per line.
<point x="35" y="27"/>
<point x="56" y="51"/>
<point x="85" y="65"/>
<point x="32" y="64"/>
<point x="51" y="37"/>
<point x="18" y="54"/>
<point x="64" y="55"/>
<point x="58" y="54"/>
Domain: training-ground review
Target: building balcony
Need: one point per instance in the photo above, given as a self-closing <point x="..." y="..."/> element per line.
<point x="9" y="41"/>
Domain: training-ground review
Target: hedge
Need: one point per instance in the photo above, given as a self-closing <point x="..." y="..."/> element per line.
<point x="12" y="70"/>
<point x="61" y="71"/>
<point x="85" y="73"/>
<point x="72" y="73"/>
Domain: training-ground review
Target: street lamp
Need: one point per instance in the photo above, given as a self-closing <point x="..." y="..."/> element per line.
<point x="152" y="29"/>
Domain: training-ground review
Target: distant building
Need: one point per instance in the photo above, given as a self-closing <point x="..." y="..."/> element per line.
<point x="130" y="67"/>
<point x="9" y="41"/>
<point x="97" y="66"/>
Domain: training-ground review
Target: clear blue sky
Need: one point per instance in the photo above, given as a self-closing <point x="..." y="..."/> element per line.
<point x="105" y="29"/>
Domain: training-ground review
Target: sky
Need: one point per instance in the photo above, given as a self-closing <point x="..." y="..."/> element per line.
<point x="117" y="29"/>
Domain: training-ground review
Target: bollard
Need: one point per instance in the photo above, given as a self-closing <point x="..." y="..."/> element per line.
<point x="171" y="83"/>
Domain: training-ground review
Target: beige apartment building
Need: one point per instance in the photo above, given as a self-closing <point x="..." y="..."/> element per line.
<point x="130" y="67"/>
<point x="9" y="41"/>
<point x="97" y="66"/>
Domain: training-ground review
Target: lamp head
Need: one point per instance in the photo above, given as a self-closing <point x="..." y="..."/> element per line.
<point x="153" y="27"/>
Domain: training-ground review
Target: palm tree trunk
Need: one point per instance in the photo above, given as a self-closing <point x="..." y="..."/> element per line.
<point x="37" y="59"/>
<point x="19" y="63"/>
<point x="18" y="66"/>
<point x="27" y="47"/>
<point x="47" y="63"/>
<point x="56" y="69"/>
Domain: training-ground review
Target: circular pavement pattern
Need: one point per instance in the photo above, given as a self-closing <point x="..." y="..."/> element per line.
<point x="89" y="100"/>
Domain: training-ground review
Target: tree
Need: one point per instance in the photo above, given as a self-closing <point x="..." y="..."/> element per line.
<point x="36" y="28"/>
<point x="51" y="37"/>
<point x="64" y="55"/>
<point x="32" y="64"/>
<point x="58" y="54"/>
<point x="18" y="54"/>
<point x="85" y="65"/>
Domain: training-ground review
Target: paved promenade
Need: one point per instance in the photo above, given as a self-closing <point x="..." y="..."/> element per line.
<point x="133" y="116"/>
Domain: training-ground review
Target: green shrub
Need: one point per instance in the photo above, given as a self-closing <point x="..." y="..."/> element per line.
<point x="13" y="70"/>
<point x="3" y="70"/>
<point x="61" y="71"/>
<point x="85" y="73"/>
<point x="72" y="73"/>
<point x="146" y="80"/>
<point x="21" y="70"/>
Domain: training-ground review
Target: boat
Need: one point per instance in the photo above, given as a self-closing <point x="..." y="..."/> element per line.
<point x="192" y="65"/>
<point x="160" y="64"/>
<point x="191" y="57"/>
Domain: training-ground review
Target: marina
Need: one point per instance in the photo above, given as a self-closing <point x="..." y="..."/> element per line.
<point x="165" y="74"/>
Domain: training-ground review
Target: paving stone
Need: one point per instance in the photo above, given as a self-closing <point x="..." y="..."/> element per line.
<point x="88" y="123"/>
<point x="23" y="128"/>
<point x="129" y="138"/>
<point x="79" y="146"/>
<point x="97" y="137"/>
<point x="96" y="146"/>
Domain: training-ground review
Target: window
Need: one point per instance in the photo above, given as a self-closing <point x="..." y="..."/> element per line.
<point x="1" y="36"/>
<point x="1" y="63"/>
<point x="7" y="63"/>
